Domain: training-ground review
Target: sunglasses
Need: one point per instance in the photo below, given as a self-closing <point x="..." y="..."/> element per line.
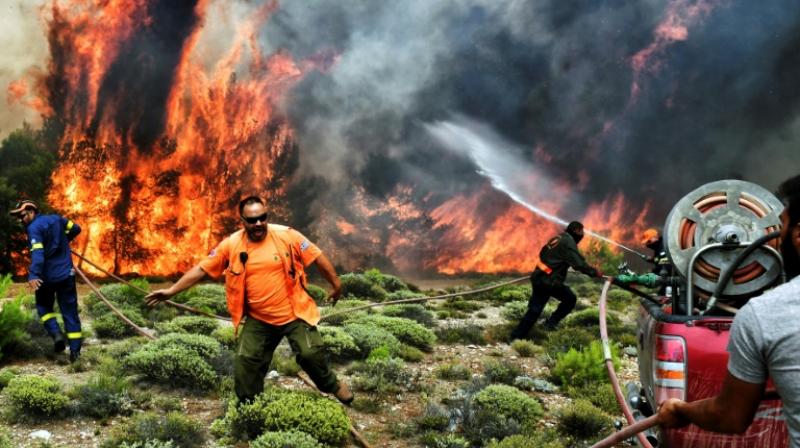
<point x="255" y="219"/>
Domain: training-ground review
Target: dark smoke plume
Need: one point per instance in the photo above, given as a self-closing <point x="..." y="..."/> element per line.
<point x="553" y="75"/>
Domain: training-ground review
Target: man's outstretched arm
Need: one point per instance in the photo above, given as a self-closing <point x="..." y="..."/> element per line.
<point x="189" y="279"/>
<point x="731" y="411"/>
<point x="325" y="267"/>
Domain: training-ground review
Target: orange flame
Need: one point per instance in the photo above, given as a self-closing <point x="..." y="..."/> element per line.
<point x="155" y="210"/>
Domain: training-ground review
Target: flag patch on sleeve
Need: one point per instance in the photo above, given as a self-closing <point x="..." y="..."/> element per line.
<point x="304" y="245"/>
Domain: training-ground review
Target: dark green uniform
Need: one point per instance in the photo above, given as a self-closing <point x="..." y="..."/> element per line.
<point x="547" y="280"/>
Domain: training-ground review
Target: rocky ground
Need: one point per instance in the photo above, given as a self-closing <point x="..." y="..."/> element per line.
<point x="376" y="427"/>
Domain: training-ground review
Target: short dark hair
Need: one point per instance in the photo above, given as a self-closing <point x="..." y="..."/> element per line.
<point x="249" y="200"/>
<point x="789" y="193"/>
<point x="574" y="226"/>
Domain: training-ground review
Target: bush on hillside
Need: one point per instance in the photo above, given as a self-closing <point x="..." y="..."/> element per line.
<point x="578" y="368"/>
<point x="584" y="420"/>
<point x="147" y="427"/>
<point x="14" y="319"/>
<point x="338" y="343"/>
<point x="368" y="338"/>
<point x="188" y="324"/>
<point x="464" y="334"/>
<point x="318" y="293"/>
<point x="35" y="397"/>
<point x="381" y="375"/>
<point x="341" y="311"/>
<point x="283" y="410"/>
<point x="178" y="360"/>
<point x="413" y="311"/>
<point x="513" y="311"/>
<point x="111" y="326"/>
<point x="405" y="330"/>
<point x="359" y="286"/>
<point x="285" y="439"/>
<point x="103" y="396"/>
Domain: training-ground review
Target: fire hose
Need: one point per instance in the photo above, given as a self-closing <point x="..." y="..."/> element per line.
<point x="168" y="302"/>
<point x="634" y="428"/>
<point x="425" y="299"/>
<point x="356" y="435"/>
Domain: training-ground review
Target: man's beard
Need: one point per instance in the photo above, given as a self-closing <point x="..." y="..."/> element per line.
<point x="791" y="259"/>
<point x="256" y="234"/>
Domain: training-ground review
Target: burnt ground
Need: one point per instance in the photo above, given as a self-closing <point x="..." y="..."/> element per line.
<point x="376" y="428"/>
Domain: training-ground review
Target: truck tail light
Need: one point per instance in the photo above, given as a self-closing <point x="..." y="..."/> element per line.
<point x="669" y="368"/>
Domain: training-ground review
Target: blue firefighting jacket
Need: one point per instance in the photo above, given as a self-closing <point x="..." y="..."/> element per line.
<point x="49" y="237"/>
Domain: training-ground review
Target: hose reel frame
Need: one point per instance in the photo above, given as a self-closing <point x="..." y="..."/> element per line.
<point x="726" y="214"/>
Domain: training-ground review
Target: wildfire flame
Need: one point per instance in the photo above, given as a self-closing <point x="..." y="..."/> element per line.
<point x="165" y="124"/>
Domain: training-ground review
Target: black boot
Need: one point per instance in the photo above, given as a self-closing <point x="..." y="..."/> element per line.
<point x="59" y="344"/>
<point x="74" y="357"/>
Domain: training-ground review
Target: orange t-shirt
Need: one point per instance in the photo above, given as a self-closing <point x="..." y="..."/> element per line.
<point x="266" y="290"/>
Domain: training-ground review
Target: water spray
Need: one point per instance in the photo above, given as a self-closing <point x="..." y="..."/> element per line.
<point x="502" y="166"/>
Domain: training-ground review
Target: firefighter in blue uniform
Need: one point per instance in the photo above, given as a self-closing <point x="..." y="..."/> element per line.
<point x="51" y="274"/>
<point x="547" y="280"/>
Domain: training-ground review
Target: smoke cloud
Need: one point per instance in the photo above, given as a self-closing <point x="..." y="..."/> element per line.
<point x="713" y="94"/>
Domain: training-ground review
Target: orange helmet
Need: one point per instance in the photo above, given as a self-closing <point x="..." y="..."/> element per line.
<point x="649" y="236"/>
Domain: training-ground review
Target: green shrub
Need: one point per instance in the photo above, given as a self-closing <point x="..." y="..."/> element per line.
<point x="539" y="439"/>
<point x="283" y="410"/>
<point x="590" y="317"/>
<point x="458" y="303"/>
<point x="511" y="293"/>
<point x="359" y="286"/>
<point x="435" y="440"/>
<point x="180" y="360"/>
<point x="224" y="335"/>
<point x="509" y="402"/>
<point x="209" y="297"/>
<point x="410" y="354"/>
<point x="340" y="311"/>
<point x="453" y="371"/>
<point x="14" y="320"/>
<point x="368" y="405"/>
<point x="388" y="282"/>
<point x="526" y="348"/>
<point x="501" y="371"/>
<point x="110" y="325"/>
<point x="147" y="427"/>
<point x="368" y="338"/>
<point x="583" y="419"/>
<point x="619" y="295"/>
<point x="188" y="324"/>
<point x="405" y="330"/>
<point x="285" y="365"/>
<point x="380" y="374"/>
<point x="513" y="311"/>
<point x="5" y="438"/>
<point x="6" y="374"/>
<point x="413" y="311"/>
<point x="600" y="394"/>
<point x="36" y="396"/>
<point x="466" y="334"/>
<point x="120" y="295"/>
<point x="317" y="293"/>
<point x="502" y="332"/>
<point x="435" y="418"/>
<point x="285" y="439"/>
<point x="588" y="289"/>
<point x="578" y="368"/>
<point x="566" y="338"/>
<point x="103" y="396"/>
<point x="205" y="346"/>
<point x="404" y="294"/>
<point x="338" y="343"/>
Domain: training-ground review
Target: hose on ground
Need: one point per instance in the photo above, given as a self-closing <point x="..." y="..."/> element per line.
<point x="179" y="306"/>
<point x="425" y="299"/>
<point x="612" y="376"/>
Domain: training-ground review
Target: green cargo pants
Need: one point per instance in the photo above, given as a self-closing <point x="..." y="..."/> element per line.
<point x="256" y="344"/>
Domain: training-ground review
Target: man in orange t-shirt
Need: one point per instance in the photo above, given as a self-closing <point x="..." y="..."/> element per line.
<point x="264" y="268"/>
